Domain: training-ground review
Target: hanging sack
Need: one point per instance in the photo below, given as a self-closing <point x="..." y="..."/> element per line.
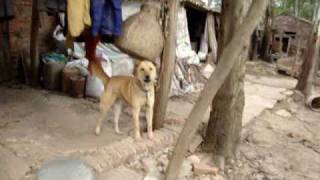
<point x="142" y="34"/>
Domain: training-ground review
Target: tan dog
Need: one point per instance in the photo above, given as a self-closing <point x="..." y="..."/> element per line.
<point x="137" y="91"/>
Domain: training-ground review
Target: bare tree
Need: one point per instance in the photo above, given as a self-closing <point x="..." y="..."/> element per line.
<point x="228" y="58"/>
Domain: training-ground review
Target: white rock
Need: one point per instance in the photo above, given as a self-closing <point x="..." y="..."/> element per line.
<point x="154" y="176"/>
<point x="121" y="173"/>
<point x="283" y="113"/>
<point x="207" y="70"/>
<point x="288" y="92"/>
<point x="196" y="141"/>
<point x="186" y="169"/>
<point x="149" y="165"/>
<point x="194" y="159"/>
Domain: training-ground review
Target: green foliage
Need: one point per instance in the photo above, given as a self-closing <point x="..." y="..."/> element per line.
<point x="303" y="8"/>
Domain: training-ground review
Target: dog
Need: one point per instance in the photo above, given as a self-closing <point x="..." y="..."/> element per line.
<point x="137" y="91"/>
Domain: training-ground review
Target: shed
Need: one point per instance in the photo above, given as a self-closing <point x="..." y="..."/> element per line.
<point x="290" y="33"/>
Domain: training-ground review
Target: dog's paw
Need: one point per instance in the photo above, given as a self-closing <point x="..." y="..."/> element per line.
<point x="98" y="130"/>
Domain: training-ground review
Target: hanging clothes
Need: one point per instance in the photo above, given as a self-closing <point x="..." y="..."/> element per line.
<point x="106" y="17"/>
<point x="78" y="12"/>
<point x="6" y="10"/>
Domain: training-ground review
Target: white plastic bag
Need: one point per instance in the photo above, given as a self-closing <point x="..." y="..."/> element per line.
<point x="94" y="87"/>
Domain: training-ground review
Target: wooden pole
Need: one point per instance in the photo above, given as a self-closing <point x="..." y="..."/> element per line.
<point x="228" y="58"/>
<point x="34" y="43"/>
<point x="167" y="67"/>
<point x="212" y="37"/>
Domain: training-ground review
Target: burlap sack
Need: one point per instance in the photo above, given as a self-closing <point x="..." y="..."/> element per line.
<point x="142" y="34"/>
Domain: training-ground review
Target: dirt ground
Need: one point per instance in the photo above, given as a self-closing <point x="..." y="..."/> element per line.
<point x="280" y="138"/>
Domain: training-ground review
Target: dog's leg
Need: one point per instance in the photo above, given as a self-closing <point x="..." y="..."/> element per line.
<point x="117" y="112"/>
<point x="149" y="116"/>
<point x="105" y="104"/>
<point x="136" y="122"/>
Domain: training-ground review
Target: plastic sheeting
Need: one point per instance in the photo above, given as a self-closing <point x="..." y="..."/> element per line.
<point x="184" y="51"/>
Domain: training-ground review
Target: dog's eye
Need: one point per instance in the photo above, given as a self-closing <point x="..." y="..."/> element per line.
<point x="150" y="68"/>
<point x="142" y="69"/>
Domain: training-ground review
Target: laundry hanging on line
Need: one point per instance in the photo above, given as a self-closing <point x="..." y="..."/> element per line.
<point x="106" y="17"/>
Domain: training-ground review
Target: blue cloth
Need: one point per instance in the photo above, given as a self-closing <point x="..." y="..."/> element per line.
<point x="106" y="16"/>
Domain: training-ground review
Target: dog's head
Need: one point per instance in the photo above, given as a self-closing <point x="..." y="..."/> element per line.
<point x="146" y="72"/>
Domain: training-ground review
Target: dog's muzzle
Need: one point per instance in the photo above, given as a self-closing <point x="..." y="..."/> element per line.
<point x="147" y="79"/>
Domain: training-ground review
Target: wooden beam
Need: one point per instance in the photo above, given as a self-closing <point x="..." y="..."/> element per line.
<point x="227" y="60"/>
<point x="34" y="43"/>
<point x="167" y="67"/>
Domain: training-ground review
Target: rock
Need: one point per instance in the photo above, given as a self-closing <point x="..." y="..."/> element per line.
<point x="194" y="159"/>
<point x="186" y="169"/>
<point x="218" y="177"/>
<point x="154" y="176"/>
<point x="204" y="178"/>
<point x="11" y="167"/>
<point x="196" y="141"/>
<point x="121" y="173"/>
<point x="163" y="160"/>
<point x="283" y="113"/>
<point x="149" y="165"/>
<point x="207" y="70"/>
<point x="298" y="96"/>
<point x="288" y="93"/>
<point x="201" y="168"/>
<point x="66" y="169"/>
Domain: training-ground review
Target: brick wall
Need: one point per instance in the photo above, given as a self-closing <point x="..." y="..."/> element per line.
<point x="20" y="28"/>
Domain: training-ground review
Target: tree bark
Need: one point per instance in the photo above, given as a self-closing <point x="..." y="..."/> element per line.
<point x="310" y="64"/>
<point x="224" y="128"/>
<point x="34" y="43"/>
<point x="267" y="32"/>
<point x="167" y="67"/>
<point x="228" y="58"/>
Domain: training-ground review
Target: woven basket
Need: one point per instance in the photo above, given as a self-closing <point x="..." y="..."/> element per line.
<point x="142" y="34"/>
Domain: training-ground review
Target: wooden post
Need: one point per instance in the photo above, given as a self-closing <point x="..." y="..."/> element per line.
<point x="167" y="67"/>
<point x="5" y="66"/>
<point x="212" y="37"/>
<point x="34" y="43"/>
<point x="227" y="60"/>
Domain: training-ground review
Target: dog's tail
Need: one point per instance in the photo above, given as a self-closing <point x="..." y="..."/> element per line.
<point x="96" y="70"/>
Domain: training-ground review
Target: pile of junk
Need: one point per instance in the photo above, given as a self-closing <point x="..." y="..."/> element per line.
<point x="119" y="34"/>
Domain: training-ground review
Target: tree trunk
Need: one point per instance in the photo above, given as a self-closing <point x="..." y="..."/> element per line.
<point x="310" y="64"/>
<point x="167" y="67"/>
<point x="223" y="132"/>
<point x="267" y="32"/>
<point x="228" y="57"/>
<point x="296" y="8"/>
